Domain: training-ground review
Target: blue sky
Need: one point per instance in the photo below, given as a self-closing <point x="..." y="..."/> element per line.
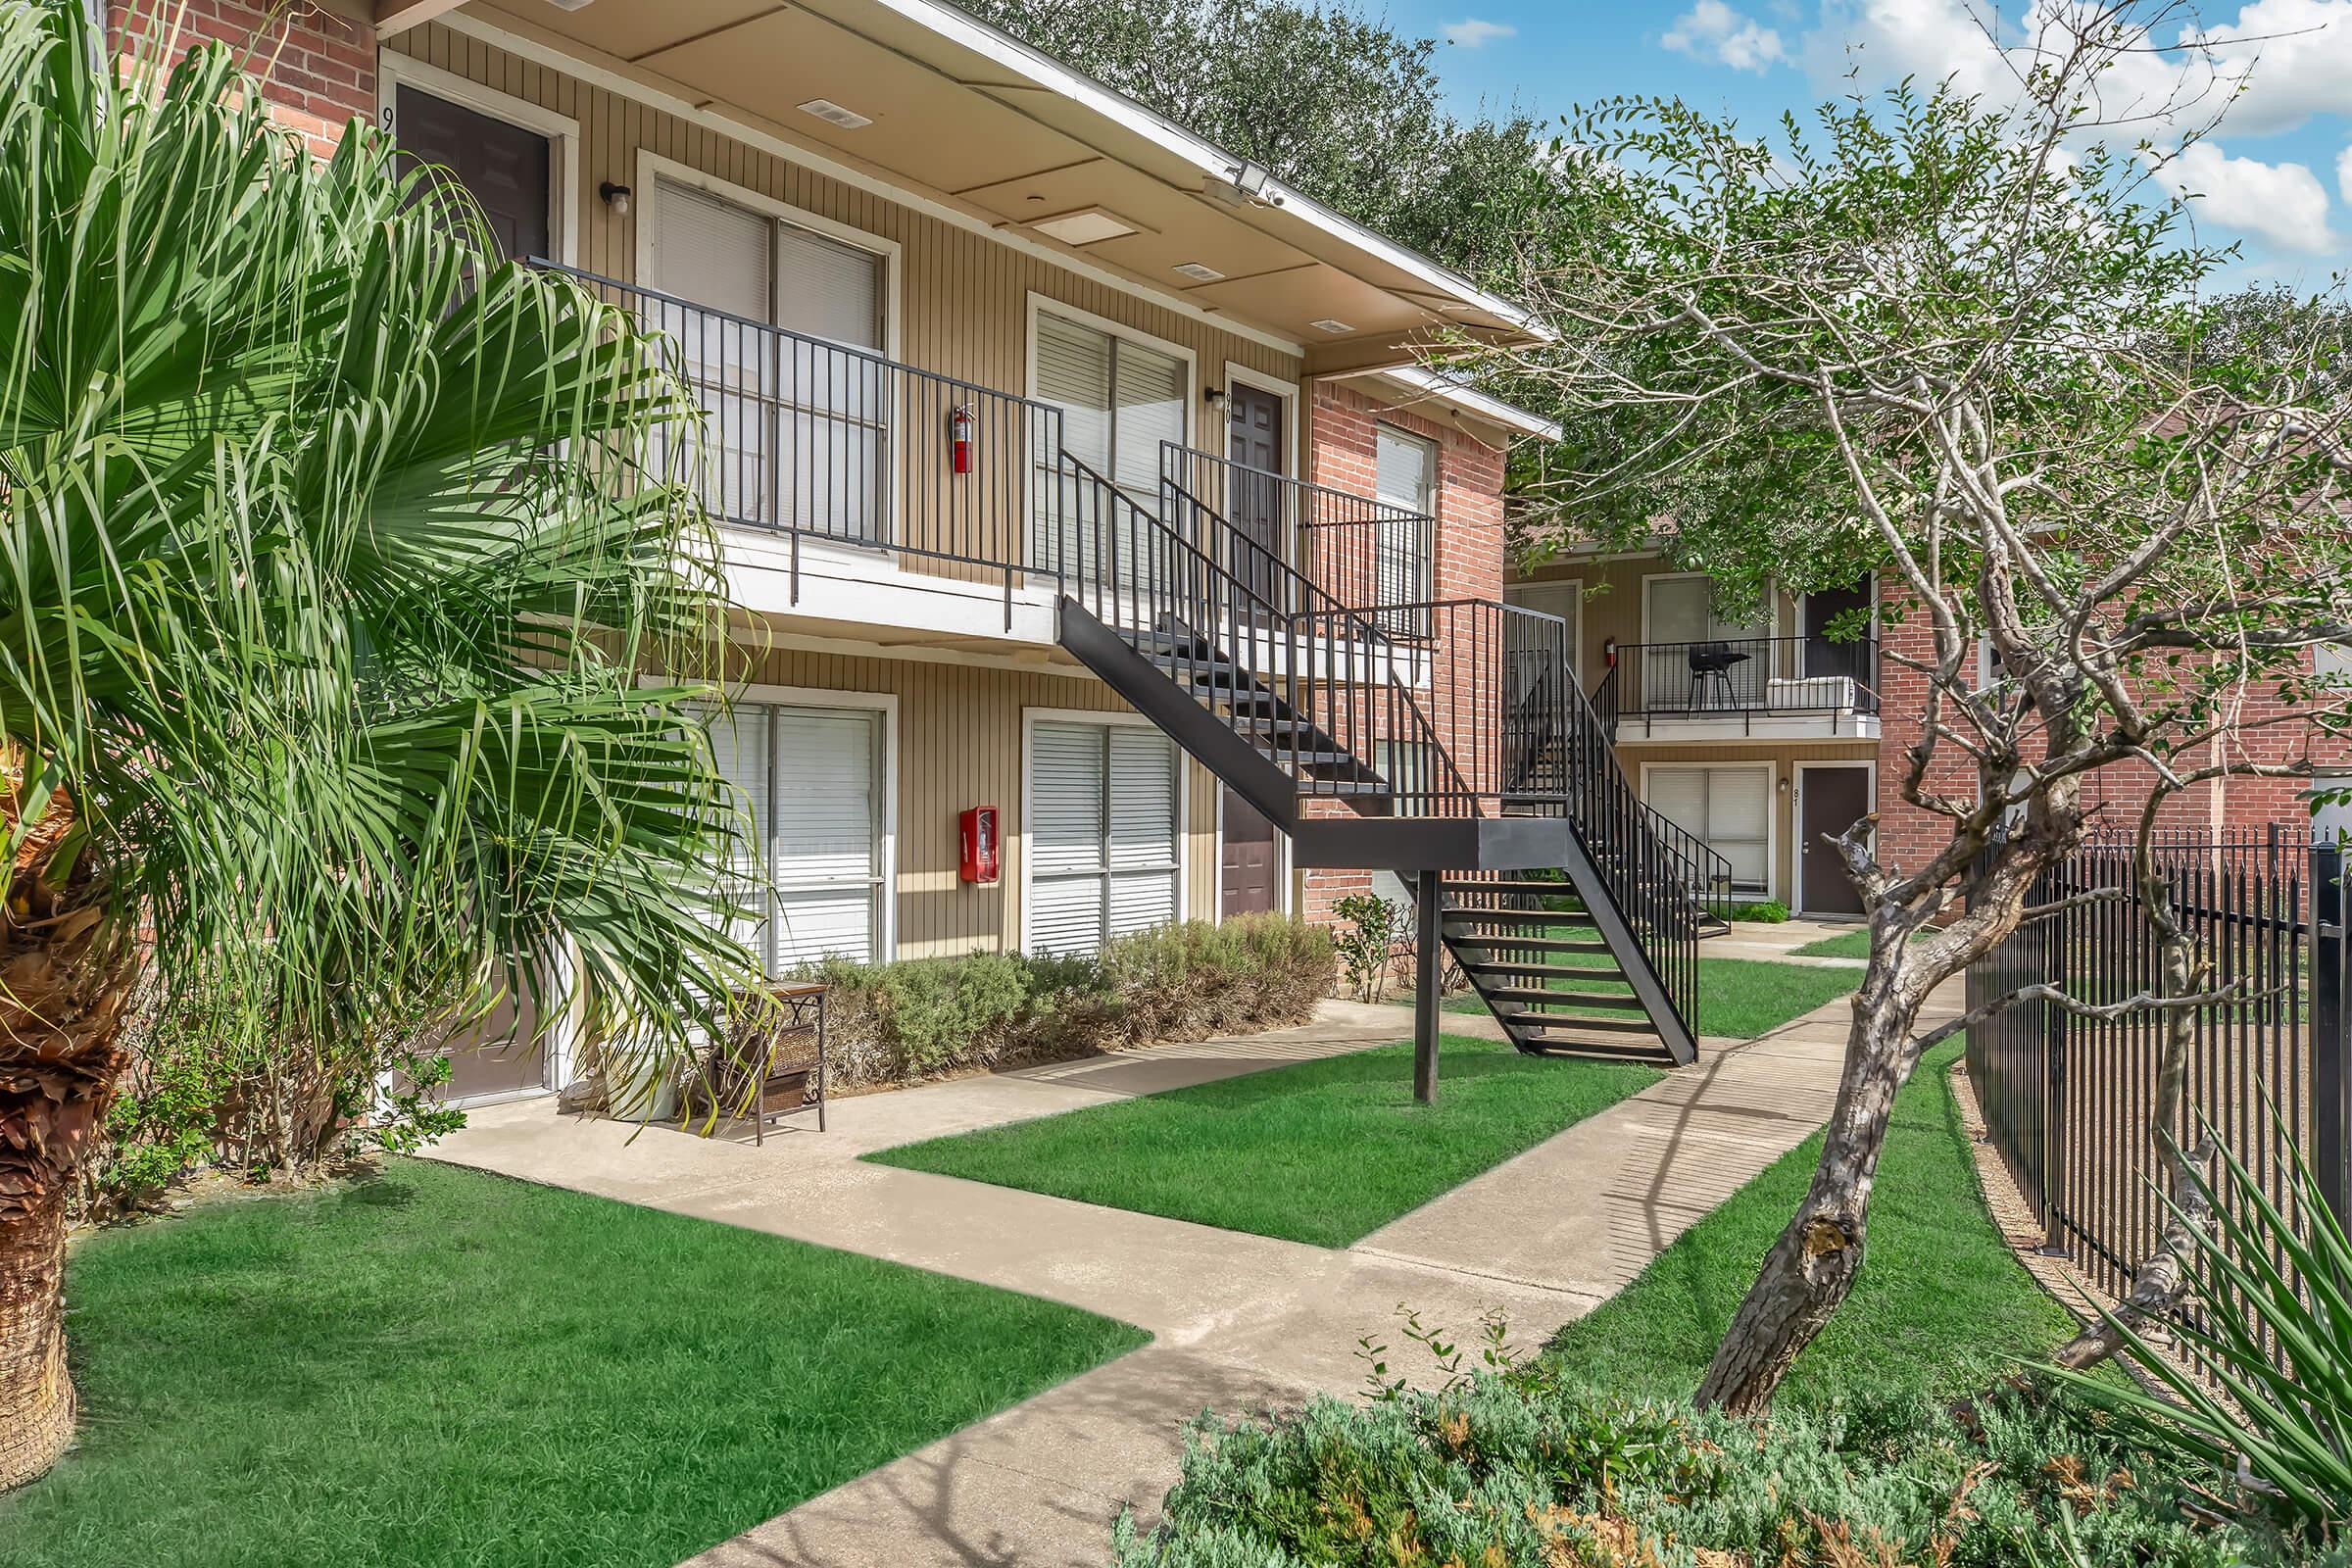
<point x="2275" y="176"/>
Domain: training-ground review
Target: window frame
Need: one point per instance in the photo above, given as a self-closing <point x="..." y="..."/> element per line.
<point x="1044" y="305"/>
<point x="1181" y="829"/>
<point x="883" y="708"/>
<point x="1770" y="772"/>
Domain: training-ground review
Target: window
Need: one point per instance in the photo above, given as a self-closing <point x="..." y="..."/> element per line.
<point x="1678" y="614"/>
<point x="1119" y="400"/>
<point x="814" y="777"/>
<point x="1405" y="480"/>
<point x="798" y="427"/>
<point x="1565" y="600"/>
<point x="1101" y="857"/>
<point x="1728" y="808"/>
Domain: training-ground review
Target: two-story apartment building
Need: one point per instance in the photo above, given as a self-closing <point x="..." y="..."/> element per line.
<point x="978" y="339"/>
<point x="1763" y="735"/>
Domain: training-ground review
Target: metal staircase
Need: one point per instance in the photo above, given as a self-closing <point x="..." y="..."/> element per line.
<point x="1446" y="740"/>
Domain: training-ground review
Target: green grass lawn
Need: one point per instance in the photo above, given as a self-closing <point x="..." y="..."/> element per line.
<point x="1740" y="998"/>
<point x="1844" y="945"/>
<point x="444" y="1367"/>
<point x="1940" y="1307"/>
<point x="1323" y="1151"/>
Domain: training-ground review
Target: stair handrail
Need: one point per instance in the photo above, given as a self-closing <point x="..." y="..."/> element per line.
<point x="1107" y="585"/>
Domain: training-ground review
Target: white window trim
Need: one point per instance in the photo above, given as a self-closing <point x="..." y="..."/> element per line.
<point x="887" y="705"/>
<point x="1282" y="865"/>
<point x="1771" y="617"/>
<point x="563" y="133"/>
<point x="1031" y="718"/>
<point x="1772" y="811"/>
<point x="1796" y="816"/>
<point x="652" y="167"/>
<point x="1044" y="304"/>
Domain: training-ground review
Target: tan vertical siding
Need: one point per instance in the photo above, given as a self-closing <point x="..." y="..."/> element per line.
<point x="958" y="742"/>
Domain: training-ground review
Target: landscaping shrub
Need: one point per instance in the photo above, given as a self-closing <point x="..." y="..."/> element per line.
<point x="920" y="1017"/>
<point x="1516" y="1469"/>
<point x="1762" y="911"/>
<point x="1367" y="941"/>
<point x="211" y="1082"/>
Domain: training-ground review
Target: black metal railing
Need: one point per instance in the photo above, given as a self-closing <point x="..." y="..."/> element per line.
<point x="1760" y="676"/>
<point x="1369" y="555"/>
<point x="823" y="441"/>
<point x="2067" y="1100"/>
<point x="1223" y="613"/>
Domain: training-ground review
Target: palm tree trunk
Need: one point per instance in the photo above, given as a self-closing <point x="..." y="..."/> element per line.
<point x="36" y="1396"/>
<point x="62" y="1008"/>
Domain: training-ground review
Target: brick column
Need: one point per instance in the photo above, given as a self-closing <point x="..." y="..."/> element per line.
<point x="317" y="63"/>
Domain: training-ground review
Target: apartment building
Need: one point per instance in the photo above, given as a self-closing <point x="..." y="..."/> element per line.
<point x="1762" y="735"/>
<point x="1072" y="474"/>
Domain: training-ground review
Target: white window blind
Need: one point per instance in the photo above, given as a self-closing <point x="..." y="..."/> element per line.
<point x="812" y="780"/>
<point x="718" y="256"/>
<point x="1119" y="400"/>
<point x="1728" y="808"/>
<point x="1404" y="475"/>
<point x="1103" y="856"/>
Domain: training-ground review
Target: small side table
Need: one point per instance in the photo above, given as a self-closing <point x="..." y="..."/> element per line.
<point x="780" y="1033"/>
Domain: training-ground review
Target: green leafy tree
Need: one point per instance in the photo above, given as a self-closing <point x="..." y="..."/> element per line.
<point x="1958" y="343"/>
<point x="331" y="563"/>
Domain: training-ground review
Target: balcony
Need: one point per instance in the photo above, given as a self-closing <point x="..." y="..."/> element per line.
<point x="1749" y="688"/>
<point x="863" y="489"/>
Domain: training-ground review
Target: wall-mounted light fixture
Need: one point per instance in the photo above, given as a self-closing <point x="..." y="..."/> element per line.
<point x="1212" y="395"/>
<point x="616" y="197"/>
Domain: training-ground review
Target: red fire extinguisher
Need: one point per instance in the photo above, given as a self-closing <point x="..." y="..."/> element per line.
<point x="960" y="438"/>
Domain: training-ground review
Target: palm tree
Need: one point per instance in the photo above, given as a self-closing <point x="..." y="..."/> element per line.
<point x="333" y="556"/>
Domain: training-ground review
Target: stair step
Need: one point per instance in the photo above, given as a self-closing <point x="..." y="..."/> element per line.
<point x="1473" y="917"/>
<point x="1656" y="1055"/>
<point x="1553" y="1020"/>
<point x="1536" y="966"/>
<point x="1564" y="998"/>
<point x="1511" y="943"/>
<point x="1504" y="884"/>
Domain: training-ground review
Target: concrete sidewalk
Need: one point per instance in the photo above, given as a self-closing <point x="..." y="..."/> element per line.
<point x="1240" y="1322"/>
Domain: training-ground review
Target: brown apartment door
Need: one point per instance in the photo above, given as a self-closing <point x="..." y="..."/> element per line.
<point x="1248" y="863"/>
<point x="504" y="166"/>
<point x="1829" y="799"/>
<point x="1255" y="442"/>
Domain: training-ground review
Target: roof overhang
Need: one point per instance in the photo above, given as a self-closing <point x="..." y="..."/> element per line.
<point x="962" y="118"/>
<point x="1432" y="392"/>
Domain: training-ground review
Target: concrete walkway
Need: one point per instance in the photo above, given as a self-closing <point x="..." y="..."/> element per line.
<point x="1239" y="1322"/>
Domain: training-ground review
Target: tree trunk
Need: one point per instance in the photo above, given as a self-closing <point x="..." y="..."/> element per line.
<point x="36" y="1396"/>
<point x="63" y="997"/>
<point x="1813" y="1265"/>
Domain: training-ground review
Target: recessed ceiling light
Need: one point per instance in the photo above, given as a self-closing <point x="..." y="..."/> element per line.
<point x="570" y="5"/>
<point x="1199" y="271"/>
<point x="1330" y="325"/>
<point x="1087" y="226"/>
<point x="832" y="113"/>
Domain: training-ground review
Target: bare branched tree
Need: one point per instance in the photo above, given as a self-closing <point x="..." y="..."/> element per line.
<point x="1959" y="343"/>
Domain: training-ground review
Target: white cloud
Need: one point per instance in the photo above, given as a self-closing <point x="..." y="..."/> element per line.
<point x="2294" y="55"/>
<point x="1471" y="32"/>
<point x="2343" y="173"/>
<point x="1713" y="30"/>
<point x="2282" y="203"/>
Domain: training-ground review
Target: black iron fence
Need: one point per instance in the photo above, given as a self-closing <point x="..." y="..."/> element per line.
<point x="826" y="442"/>
<point x="2067" y="1099"/>
<point x="1744" y="675"/>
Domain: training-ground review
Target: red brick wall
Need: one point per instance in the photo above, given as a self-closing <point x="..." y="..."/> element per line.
<point x="316" y="66"/>
<point x="1909" y="836"/>
<point x="1468" y="554"/>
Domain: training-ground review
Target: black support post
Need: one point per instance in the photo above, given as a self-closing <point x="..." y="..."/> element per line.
<point x="2331" y="1027"/>
<point x="1428" y="897"/>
